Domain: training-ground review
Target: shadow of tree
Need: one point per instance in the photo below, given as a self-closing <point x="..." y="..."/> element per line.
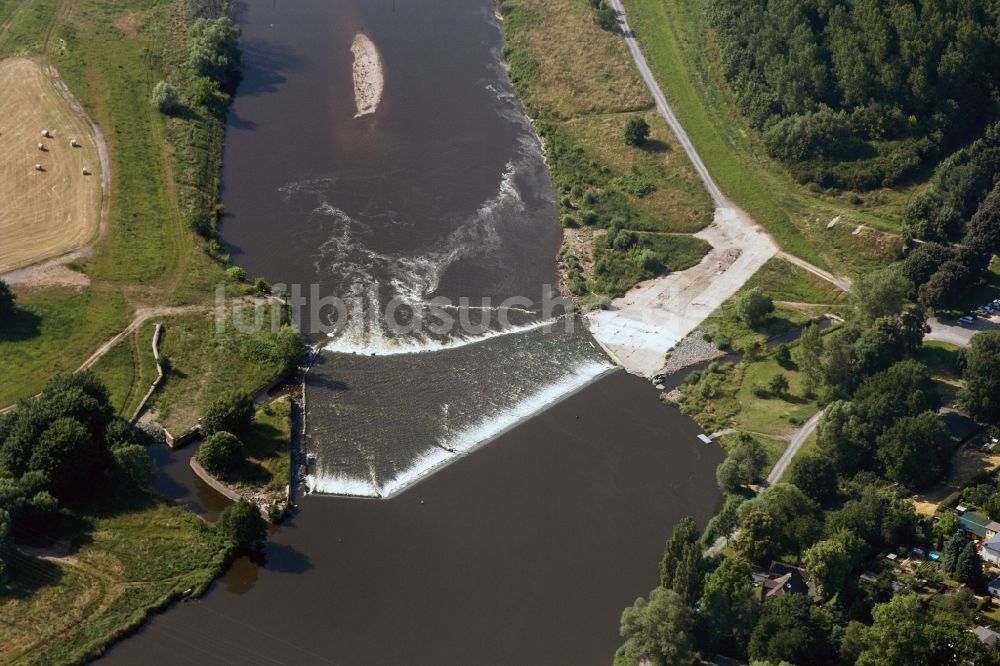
<point x="22" y="325"/>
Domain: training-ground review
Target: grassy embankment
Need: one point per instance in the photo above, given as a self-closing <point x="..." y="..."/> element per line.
<point x="581" y="92"/>
<point x="680" y="50"/>
<point x="63" y="608"/>
<point x="164" y="172"/>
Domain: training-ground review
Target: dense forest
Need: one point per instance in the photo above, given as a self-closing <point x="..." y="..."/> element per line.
<point x="861" y="94"/>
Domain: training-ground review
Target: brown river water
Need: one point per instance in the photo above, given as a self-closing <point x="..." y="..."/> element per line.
<point x="526" y="486"/>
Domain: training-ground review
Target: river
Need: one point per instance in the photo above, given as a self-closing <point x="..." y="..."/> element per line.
<point x="527" y="486"/>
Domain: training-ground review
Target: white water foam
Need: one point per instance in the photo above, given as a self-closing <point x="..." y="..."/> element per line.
<point x="341" y="484"/>
<point x="468" y="438"/>
<point x="464" y="440"/>
<point x="376" y="343"/>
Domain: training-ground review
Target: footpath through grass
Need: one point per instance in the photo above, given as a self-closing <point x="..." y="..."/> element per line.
<point x="680" y="50"/>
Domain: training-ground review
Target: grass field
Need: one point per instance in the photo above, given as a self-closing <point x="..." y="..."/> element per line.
<point x="129" y="369"/>
<point x="110" y="54"/>
<point x="117" y="565"/>
<point x="44" y="213"/>
<point x="681" y="53"/>
<point x="54" y="331"/>
<point x="200" y="366"/>
<point x="724" y="396"/>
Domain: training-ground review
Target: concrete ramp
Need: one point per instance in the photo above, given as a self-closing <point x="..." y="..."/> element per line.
<point x="639" y="328"/>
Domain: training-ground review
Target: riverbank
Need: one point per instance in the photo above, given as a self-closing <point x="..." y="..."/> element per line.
<point x="369" y="78"/>
<point x="628" y="212"/>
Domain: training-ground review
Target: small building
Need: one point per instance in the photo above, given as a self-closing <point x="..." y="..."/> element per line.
<point x="990" y="550"/>
<point x="994" y="587"/>
<point x="39" y="167"/>
<point x="869" y="577"/>
<point x="987" y="636"/>
<point x="784" y="579"/>
<point x="960" y="427"/>
<point x="978" y="526"/>
<point x="74" y="143"/>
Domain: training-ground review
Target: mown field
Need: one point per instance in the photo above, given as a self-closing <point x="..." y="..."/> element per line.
<point x="680" y="50"/>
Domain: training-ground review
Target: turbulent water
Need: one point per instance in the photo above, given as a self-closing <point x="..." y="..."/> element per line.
<point x="418" y="243"/>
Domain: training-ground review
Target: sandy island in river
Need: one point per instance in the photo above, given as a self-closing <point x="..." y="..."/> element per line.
<point x="368" y="78"/>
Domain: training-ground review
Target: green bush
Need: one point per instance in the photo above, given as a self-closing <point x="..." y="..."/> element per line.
<point x="636" y="131"/>
<point x="165" y="98"/>
<point x="220" y="453"/>
<point x="243" y="525"/>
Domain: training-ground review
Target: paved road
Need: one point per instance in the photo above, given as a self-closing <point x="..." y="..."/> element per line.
<point x="798" y="439"/>
<point x="661" y="104"/>
<point x="956" y="333"/>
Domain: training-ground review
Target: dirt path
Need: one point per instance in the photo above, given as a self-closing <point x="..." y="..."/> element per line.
<point x="640" y="327"/>
<point x="141" y="316"/>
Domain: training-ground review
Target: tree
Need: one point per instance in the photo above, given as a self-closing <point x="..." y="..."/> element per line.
<point x="729" y="606"/>
<point x="881" y="293"/>
<point x="915" y="450"/>
<point x="756" y="542"/>
<point x="981" y="395"/>
<point x="67" y="455"/>
<point x="809" y="357"/>
<point x="165" y="98"/>
<point x="220" y="453"/>
<point x="605" y="17"/>
<point x="744" y="465"/>
<point x="944" y="527"/>
<point x="787" y="631"/>
<point x="230" y="413"/>
<point x="8" y="302"/>
<point x="685" y="532"/>
<point x="753" y="306"/>
<point x="968" y="565"/>
<point x="905" y="632"/>
<point x="132" y="461"/>
<point x="243" y="525"/>
<point x="4" y="543"/>
<point x="778" y="385"/>
<point x="828" y="562"/>
<point x="816" y="476"/>
<point x="794" y="517"/>
<point x="657" y="630"/>
<point x="952" y="550"/>
<point x="636" y="131"/>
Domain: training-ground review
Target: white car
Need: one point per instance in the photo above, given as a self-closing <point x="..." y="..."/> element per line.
<point x="967" y="319"/>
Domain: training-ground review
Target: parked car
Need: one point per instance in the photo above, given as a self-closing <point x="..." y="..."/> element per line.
<point x="967" y="319"/>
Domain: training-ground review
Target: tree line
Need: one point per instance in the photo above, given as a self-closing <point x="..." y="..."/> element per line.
<point x="66" y="449"/>
<point x="861" y="94"/>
